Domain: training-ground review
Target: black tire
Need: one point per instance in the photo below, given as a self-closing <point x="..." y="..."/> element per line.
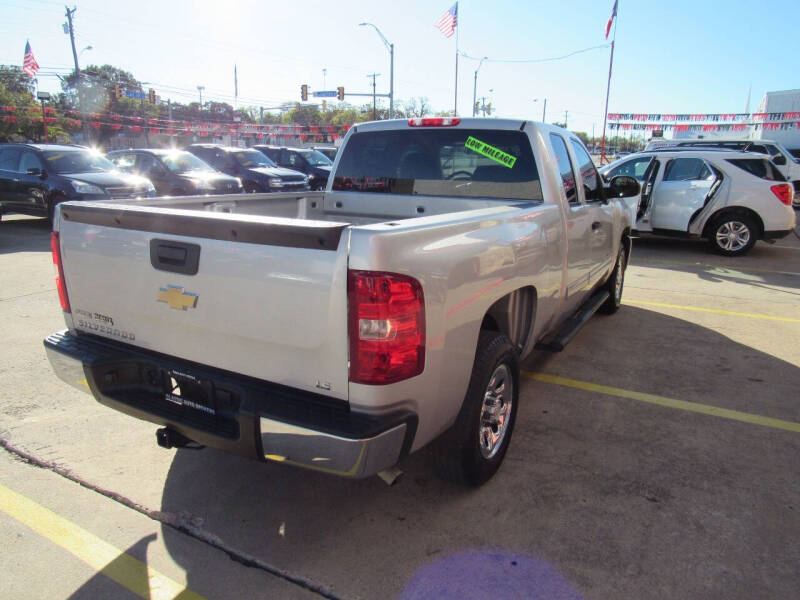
<point x="727" y="231"/>
<point x="51" y="208"/>
<point x="459" y="455"/>
<point x="250" y="187"/>
<point x="615" y="283"/>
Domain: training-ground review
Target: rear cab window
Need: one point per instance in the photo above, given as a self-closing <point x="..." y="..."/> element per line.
<point x="760" y="167"/>
<point x="479" y="163"/>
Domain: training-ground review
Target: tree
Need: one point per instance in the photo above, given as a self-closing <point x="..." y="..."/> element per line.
<point x="25" y="122"/>
<point x="417" y="107"/>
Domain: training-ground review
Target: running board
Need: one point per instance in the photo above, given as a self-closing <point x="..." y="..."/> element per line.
<point x="572" y="325"/>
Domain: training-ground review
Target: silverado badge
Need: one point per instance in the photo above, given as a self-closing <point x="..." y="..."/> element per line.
<point x="176" y="297"/>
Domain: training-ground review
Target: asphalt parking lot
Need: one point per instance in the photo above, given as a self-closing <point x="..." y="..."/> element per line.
<point x="657" y="456"/>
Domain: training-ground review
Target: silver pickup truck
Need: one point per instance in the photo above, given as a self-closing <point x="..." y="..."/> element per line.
<point x="341" y="330"/>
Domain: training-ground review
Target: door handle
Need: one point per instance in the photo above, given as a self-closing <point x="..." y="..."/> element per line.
<point x="175" y="257"/>
<point x="596" y="226"/>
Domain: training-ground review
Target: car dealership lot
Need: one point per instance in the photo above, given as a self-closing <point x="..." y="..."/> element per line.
<point x="624" y="477"/>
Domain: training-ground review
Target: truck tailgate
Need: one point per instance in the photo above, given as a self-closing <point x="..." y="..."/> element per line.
<point x="268" y="299"/>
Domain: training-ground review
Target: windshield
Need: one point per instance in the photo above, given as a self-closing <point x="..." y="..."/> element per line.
<point x="181" y="162"/>
<point x="316" y="158"/>
<point x="252" y="159"/>
<point x="77" y="161"/>
<point x="482" y="163"/>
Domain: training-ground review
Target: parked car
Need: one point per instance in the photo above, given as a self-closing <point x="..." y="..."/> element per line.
<point x="729" y="198"/>
<point x="256" y="171"/>
<point x="329" y="151"/>
<point x="175" y="172"/>
<point x="306" y="160"/>
<point x="786" y="162"/>
<point x="339" y="332"/>
<point x="36" y="177"/>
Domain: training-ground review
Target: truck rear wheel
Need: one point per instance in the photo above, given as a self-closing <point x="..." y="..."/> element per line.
<point x="472" y="450"/>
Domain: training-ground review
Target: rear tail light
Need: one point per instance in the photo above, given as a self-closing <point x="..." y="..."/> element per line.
<point x="386" y="327"/>
<point x="784" y="192"/>
<point x="61" y="284"/>
<point x="434" y="122"/>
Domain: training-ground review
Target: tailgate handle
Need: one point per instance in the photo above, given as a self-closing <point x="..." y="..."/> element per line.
<point x="175" y="257"/>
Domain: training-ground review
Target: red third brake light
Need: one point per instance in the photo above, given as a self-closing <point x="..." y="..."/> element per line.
<point x="784" y="193"/>
<point x="434" y="122"/>
<point x="61" y="284"/>
<point x="386" y="325"/>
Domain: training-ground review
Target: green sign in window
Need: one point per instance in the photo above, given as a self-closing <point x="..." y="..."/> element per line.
<point x="491" y="152"/>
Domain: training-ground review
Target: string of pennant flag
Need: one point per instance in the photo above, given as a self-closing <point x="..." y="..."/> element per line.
<point x="705" y="117"/>
<point x="704" y="127"/>
<point x="133" y="124"/>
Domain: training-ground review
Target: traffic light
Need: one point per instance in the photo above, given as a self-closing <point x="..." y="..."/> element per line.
<point x="340" y="93"/>
<point x="304" y="92"/>
<point x="151" y="96"/>
<point x="117" y="92"/>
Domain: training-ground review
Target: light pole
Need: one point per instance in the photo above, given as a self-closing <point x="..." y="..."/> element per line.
<point x="390" y="48"/>
<point x="475" y="89"/>
<point x="200" y="89"/>
<point x="42" y="96"/>
<point x="544" y="108"/>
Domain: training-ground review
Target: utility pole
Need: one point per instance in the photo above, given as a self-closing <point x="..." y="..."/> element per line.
<point x="70" y="14"/>
<point x="324" y="79"/>
<point x="475" y="88"/>
<point x="544" y="110"/>
<point x="261" y="112"/>
<point x="374" y="113"/>
<point x="200" y="89"/>
<point x="566" y="114"/>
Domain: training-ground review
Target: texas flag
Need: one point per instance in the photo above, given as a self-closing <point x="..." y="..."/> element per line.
<point x="611" y="18"/>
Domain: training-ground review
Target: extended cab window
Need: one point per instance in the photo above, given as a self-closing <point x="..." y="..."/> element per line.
<point x="480" y="163"/>
<point x="687" y="169"/>
<point x="591" y="178"/>
<point x="759" y="167"/>
<point x="124" y="162"/>
<point x="565" y="167"/>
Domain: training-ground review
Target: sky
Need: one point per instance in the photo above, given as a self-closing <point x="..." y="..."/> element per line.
<point x="680" y="56"/>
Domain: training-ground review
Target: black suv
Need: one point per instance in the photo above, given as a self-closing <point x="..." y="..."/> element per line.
<point x="175" y="172"/>
<point x="36" y="177"/>
<point x="306" y="160"/>
<point x="257" y="172"/>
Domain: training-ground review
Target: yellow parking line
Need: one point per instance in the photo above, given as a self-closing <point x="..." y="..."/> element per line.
<point x="693" y="263"/>
<point x="716" y="311"/>
<point x="696" y="407"/>
<point x="112" y="562"/>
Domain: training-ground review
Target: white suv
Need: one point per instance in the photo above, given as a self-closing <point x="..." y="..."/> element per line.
<point x="730" y="198"/>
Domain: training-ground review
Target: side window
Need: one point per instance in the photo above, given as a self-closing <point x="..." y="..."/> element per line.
<point x="9" y="159"/>
<point x="124" y="162"/>
<point x="687" y="169"/>
<point x="565" y="167"/>
<point x="758" y="148"/>
<point x="636" y="168"/>
<point x="29" y="160"/>
<point x="292" y="158"/>
<point x="146" y="163"/>
<point x="591" y="179"/>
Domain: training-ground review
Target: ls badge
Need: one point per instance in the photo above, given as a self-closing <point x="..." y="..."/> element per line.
<point x="176" y="297"/>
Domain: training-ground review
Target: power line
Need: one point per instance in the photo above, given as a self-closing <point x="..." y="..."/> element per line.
<point x="535" y="60"/>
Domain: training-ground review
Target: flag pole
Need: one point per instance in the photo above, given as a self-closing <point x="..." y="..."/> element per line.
<point x="455" y="101"/>
<point x="608" y="89"/>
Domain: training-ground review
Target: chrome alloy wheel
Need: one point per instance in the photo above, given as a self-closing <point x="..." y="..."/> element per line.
<point x="496" y="411"/>
<point x="733" y="236"/>
<point x="620" y="268"/>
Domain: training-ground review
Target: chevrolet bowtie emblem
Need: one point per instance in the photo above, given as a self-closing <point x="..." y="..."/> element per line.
<point x="176" y="297"/>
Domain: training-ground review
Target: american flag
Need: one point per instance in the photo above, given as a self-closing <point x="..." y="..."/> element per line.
<point x="29" y="64"/>
<point x="447" y="24"/>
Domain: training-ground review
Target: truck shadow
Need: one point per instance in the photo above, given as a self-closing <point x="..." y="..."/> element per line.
<point x="590" y="485"/>
<point x="24" y="234"/>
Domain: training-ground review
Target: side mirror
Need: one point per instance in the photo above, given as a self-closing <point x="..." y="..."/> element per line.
<point x="779" y="159"/>
<point x="623" y="186"/>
